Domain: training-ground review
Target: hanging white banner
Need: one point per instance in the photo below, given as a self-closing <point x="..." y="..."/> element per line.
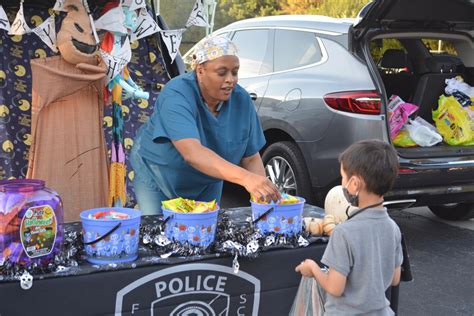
<point x="4" y="23"/>
<point x="59" y="5"/>
<point x="112" y="21"/>
<point x="19" y="26"/>
<point x="172" y="39"/>
<point x="146" y="26"/>
<point x="197" y="16"/>
<point x="116" y="62"/>
<point x="47" y="32"/>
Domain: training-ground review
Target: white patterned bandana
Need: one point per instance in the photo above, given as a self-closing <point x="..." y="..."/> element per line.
<point x="213" y="47"/>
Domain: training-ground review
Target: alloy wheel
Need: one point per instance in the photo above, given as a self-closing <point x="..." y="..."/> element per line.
<point x="279" y="171"/>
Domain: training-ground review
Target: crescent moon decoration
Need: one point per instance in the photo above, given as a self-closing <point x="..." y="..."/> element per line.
<point x="24" y="105"/>
<point x="125" y="109"/>
<point x="131" y="175"/>
<point x="3" y="77"/>
<point x="4" y="110"/>
<point x="40" y="53"/>
<point x="143" y="104"/>
<point x="152" y="57"/>
<point x="27" y="139"/>
<point x="36" y="20"/>
<point x="128" y="143"/>
<point x="20" y="71"/>
<point x="135" y="45"/>
<point x="156" y="88"/>
<point x="108" y="121"/>
<point x="7" y="146"/>
<point x="16" y="38"/>
<point x="5" y="116"/>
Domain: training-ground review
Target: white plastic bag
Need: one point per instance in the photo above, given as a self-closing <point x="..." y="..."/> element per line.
<point x="423" y="133"/>
<point x="423" y="122"/>
<point x="309" y="300"/>
<point x="458" y="84"/>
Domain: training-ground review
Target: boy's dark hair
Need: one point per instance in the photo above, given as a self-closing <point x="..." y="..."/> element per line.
<point x="374" y="161"/>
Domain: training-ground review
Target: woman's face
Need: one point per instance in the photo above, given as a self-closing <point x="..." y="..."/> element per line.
<point x="217" y="78"/>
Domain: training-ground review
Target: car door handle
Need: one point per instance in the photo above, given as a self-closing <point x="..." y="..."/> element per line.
<point x="253" y="96"/>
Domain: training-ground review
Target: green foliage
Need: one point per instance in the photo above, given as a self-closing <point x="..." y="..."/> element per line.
<point x="378" y="47"/>
<point x="176" y="12"/>
<point x="244" y="9"/>
<point x="440" y="47"/>
<point x="339" y="8"/>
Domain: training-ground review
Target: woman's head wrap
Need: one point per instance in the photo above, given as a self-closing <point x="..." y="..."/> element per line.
<point x="213" y="47"/>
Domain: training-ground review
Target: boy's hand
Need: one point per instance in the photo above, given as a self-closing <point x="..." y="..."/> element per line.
<point x="307" y="267"/>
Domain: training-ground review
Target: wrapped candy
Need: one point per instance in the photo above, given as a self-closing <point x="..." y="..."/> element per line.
<point x="285" y="199"/>
<point x="108" y="215"/>
<point x="180" y="205"/>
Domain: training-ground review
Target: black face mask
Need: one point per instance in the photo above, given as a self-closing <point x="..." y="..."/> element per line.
<point x="353" y="199"/>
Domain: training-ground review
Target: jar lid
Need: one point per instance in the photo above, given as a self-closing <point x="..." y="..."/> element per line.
<point x="21" y="185"/>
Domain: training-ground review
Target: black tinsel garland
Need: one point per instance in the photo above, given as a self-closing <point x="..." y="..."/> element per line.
<point x="232" y="238"/>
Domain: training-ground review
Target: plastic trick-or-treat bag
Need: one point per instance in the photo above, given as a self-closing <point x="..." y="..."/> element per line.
<point x="398" y="113"/>
<point x="454" y="122"/>
<point x="309" y="300"/>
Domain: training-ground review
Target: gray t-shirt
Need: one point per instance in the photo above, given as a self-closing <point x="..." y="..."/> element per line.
<point x="366" y="249"/>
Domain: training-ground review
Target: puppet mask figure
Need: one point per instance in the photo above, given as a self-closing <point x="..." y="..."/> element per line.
<point x="75" y="38"/>
<point x="131" y="20"/>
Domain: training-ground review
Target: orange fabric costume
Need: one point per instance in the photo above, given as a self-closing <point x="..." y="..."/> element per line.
<point x="68" y="149"/>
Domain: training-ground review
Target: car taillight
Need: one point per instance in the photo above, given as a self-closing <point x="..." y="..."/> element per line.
<point x="361" y="102"/>
<point x="406" y="170"/>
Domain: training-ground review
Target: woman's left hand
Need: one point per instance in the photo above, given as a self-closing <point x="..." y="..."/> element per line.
<point x="307" y="267"/>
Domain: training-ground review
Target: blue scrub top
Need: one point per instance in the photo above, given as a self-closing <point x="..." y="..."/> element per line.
<point x="180" y="112"/>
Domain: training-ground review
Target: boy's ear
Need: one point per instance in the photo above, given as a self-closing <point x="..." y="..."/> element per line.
<point x="359" y="183"/>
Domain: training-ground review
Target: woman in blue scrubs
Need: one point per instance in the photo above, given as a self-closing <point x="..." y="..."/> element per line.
<point x="204" y="130"/>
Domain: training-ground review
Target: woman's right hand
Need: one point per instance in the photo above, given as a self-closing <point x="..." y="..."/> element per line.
<point x="261" y="187"/>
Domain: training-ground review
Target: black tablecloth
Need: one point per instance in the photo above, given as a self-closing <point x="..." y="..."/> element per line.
<point x="152" y="285"/>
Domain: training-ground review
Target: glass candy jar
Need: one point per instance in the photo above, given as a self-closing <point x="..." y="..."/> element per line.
<point x="31" y="222"/>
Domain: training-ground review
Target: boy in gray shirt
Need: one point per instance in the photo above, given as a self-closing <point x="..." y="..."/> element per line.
<point x="364" y="253"/>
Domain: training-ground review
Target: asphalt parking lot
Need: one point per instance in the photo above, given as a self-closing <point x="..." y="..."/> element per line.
<point x="441" y="257"/>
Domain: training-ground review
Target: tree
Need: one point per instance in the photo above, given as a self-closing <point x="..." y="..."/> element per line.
<point x="244" y="9"/>
<point x="300" y="6"/>
<point x="339" y="8"/>
<point x="176" y="12"/>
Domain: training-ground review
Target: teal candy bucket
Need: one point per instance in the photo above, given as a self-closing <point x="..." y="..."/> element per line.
<point x="111" y="240"/>
<point x="284" y="219"/>
<point x="198" y="229"/>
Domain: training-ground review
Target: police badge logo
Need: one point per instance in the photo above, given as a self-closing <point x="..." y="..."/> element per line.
<point x="191" y="289"/>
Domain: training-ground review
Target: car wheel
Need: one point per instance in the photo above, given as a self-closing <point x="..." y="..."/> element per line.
<point x="285" y="167"/>
<point x="453" y="212"/>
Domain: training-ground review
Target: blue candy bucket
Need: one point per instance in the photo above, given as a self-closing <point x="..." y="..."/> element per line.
<point x="198" y="229"/>
<point x="284" y="219"/>
<point x="111" y="240"/>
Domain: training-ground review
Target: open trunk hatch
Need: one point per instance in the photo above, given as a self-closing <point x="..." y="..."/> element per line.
<point x="420" y="14"/>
